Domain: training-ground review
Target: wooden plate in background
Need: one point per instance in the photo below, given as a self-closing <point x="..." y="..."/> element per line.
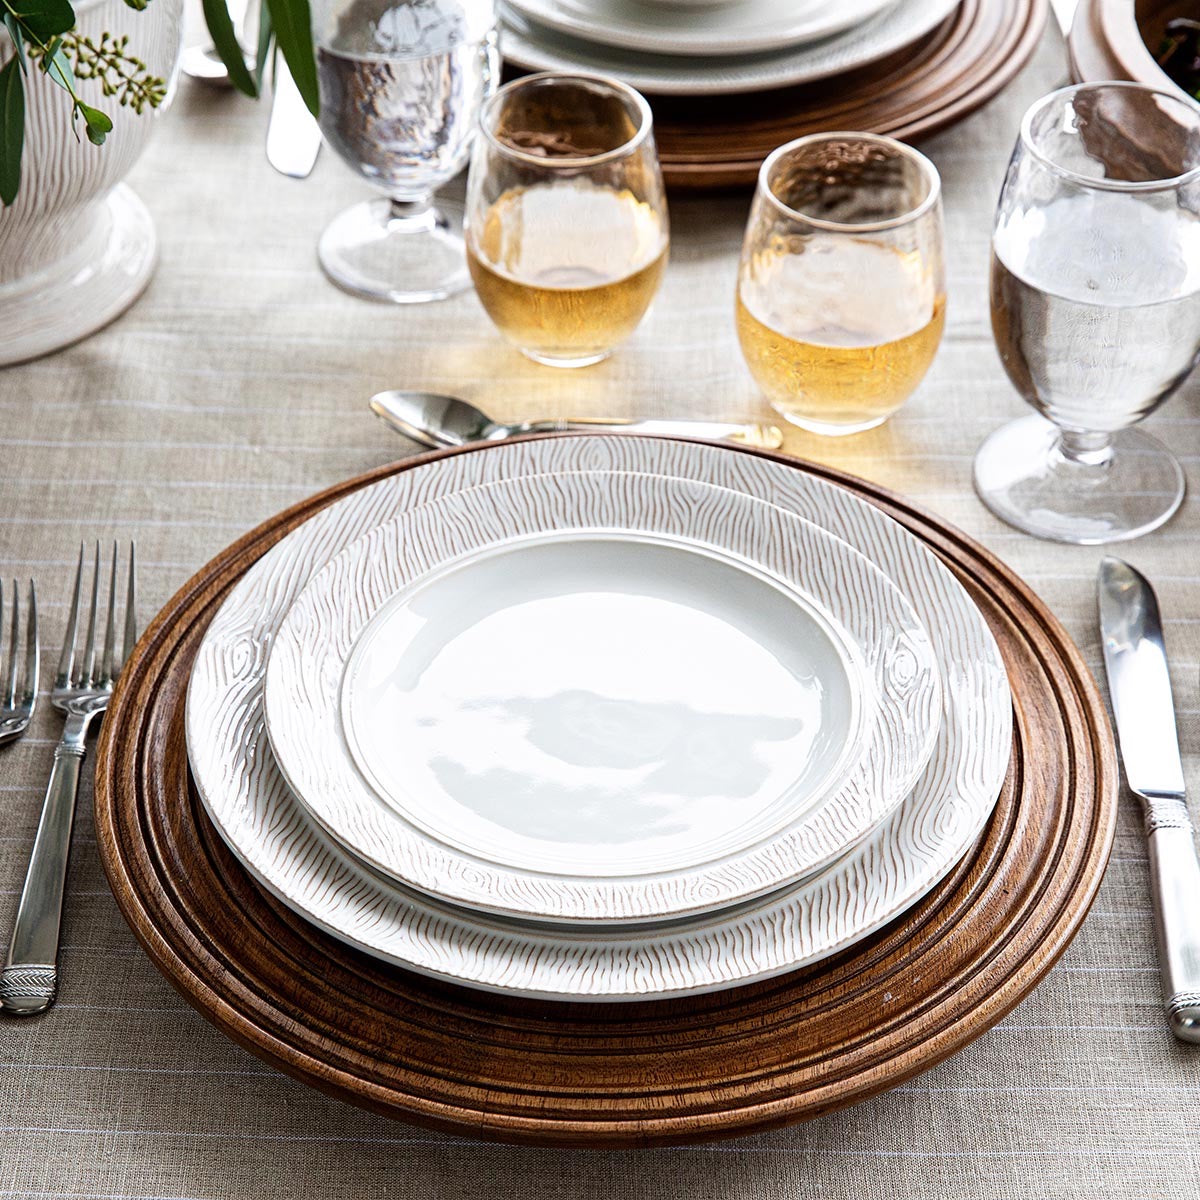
<point x="720" y="142"/>
<point x="612" y="1075"/>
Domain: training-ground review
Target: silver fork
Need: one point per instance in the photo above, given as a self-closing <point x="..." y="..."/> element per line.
<point x="29" y="981"/>
<point x="18" y="699"/>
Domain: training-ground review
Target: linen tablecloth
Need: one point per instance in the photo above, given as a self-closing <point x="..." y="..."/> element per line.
<point x="236" y="386"/>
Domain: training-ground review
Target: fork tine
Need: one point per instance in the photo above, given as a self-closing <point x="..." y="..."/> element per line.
<point x="89" y="650"/>
<point x="10" y="693"/>
<point x="33" y="654"/>
<point x="66" y="660"/>
<point x="131" y="605"/>
<point x="110" y="630"/>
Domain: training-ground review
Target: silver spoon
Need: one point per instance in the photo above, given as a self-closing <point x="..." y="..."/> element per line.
<point x="204" y="63"/>
<point x="440" y="421"/>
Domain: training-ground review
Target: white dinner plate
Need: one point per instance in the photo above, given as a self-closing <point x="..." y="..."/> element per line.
<point x="600" y="697"/>
<point x="746" y="27"/>
<point x="256" y="813"/>
<point x="530" y="45"/>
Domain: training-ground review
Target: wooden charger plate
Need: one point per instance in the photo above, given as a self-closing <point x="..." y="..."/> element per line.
<point x="614" y="1075"/>
<point x="715" y="142"/>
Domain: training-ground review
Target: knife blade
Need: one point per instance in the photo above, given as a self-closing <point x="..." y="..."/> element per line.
<point x="1139" y="684"/>
<point x="293" y="136"/>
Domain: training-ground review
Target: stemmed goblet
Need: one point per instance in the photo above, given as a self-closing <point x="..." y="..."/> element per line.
<point x="1095" y="299"/>
<point x="401" y="84"/>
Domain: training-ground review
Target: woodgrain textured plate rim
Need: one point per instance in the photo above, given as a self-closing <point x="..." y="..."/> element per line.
<point x="714" y="1066"/>
<point x="914" y="93"/>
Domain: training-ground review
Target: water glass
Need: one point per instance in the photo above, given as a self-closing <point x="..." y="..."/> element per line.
<point x="841" y="294"/>
<point x="566" y="215"/>
<point x="402" y="83"/>
<point x="1095" y="299"/>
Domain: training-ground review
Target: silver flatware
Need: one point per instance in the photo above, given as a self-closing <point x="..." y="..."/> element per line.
<point x="82" y="688"/>
<point x="293" y="135"/>
<point x="1140" y="686"/>
<point x="204" y="63"/>
<point x="19" y="677"/>
<point x="441" y="421"/>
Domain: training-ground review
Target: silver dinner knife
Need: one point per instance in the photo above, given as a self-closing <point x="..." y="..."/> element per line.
<point x="293" y="136"/>
<point x="1139" y="683"/>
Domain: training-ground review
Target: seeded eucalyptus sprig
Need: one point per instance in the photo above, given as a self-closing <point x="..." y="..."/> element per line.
<point x="120" y="74"/>
<point x="36" y="29"/>
<point x="44" y="38"/>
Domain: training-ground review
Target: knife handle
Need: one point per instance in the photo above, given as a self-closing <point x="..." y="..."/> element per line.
<point x="1175" y="885"/>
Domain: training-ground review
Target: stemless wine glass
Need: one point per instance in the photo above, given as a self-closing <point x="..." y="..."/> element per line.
<point x="841" y="293"/>
<point x="566" y="215"/>
<point x="1095" y="293"/>
<point x="402" y="83"/>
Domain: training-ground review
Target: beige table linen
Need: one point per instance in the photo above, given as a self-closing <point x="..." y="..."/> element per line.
<point x="238" y="385"/>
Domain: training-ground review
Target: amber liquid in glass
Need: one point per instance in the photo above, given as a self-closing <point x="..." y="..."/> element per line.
<point x="839" y="335"/>
<point x="566" y="271"/>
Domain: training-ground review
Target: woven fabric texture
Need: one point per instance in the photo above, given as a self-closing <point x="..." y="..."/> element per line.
<point x="238" y="385"/>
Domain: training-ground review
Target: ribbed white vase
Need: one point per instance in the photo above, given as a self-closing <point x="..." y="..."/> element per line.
<point x="78" y="247"/>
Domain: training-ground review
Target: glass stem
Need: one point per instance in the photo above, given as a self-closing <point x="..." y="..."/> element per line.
<point x="410" y="210"/>
<point x="1085" y="449"/>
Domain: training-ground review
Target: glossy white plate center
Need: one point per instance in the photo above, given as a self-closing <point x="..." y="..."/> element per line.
<point x="590" y="704"/>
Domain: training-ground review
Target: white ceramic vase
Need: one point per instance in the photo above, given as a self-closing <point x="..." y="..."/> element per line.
<point x="78" y="247"/>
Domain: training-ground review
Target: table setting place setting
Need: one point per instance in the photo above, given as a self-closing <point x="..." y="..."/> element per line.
<point x="598" y="774"/>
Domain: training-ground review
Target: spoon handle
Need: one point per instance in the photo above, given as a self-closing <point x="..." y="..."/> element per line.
<point x="764" y="437"/>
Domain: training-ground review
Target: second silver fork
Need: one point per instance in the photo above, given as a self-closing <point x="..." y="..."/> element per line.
<point x="82" y="688"/>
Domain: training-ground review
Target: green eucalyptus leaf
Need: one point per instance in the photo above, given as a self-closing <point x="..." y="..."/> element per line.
<point x="43" y="18"/>
<point x="57" y="65"/>
<point x="220" y="27"/>
<point x="12" y="129"/>
<point x="138" y="5"/>
<point x="18" y="40"/>
<point x="264" y="43"/>
<point x="99" y="124"/>
<point x="292" y="22"/>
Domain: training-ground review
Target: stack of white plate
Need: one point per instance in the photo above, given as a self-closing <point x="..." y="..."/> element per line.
<point x="599" y="718"/>
<point x="677" y="48"/>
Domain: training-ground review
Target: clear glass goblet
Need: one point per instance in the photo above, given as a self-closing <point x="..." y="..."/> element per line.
<point x="1095" y="298"/>
<point x="402" y="83"/>
<point x="566" y="215"/>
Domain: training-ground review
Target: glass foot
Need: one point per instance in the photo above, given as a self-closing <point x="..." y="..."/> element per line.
<point x="552" y="360"/>
<point x="399" y="253"/>
<point x="1087" y="489"/>
<point x="829" y="428"/>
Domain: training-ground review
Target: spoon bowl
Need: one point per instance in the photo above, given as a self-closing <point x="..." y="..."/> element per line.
<point x="439" y="421"/>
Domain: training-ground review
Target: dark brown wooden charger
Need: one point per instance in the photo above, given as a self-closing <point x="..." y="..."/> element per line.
<point x="709" y="142"/>
<point x="614" y="1075"/>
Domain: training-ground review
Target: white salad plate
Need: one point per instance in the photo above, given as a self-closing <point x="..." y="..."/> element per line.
<point x="285" y="849"/>
<point x="600" y="697"/>
<point x="748" y="27"/>
<point x="529" y="44"/>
